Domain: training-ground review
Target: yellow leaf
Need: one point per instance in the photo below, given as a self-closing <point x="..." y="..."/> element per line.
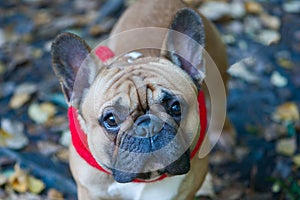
<point x="296" y="160"/>
<point x="287" y="112"/>
<point x="48" y="108"/>
<point x="19" y="100"/>
<point x="35" y="185"/>
<point x="286" y="146"/>
<point x="3" y="136"/>
<point x="19" y="180"/>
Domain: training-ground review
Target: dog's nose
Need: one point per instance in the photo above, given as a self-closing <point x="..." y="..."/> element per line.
<point x="148" y="125"/>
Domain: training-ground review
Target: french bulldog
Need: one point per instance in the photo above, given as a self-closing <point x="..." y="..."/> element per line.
<point x="140" y="114"/>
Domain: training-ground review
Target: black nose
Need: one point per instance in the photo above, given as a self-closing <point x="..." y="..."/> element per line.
<point x="148" y="125"/>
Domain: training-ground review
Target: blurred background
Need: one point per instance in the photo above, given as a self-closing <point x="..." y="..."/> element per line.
<point x="263" y="42"/>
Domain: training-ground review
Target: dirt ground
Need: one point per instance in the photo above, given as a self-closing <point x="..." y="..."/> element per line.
<point x="263" y="44"/>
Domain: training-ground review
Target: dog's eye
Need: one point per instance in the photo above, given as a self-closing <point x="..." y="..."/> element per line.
<point x="109" y="121"/>
<point x="175" y="109"/>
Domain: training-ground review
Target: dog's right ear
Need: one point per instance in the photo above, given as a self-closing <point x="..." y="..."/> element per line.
<point x="185" y="42"/>
<point x="68" y="53"/>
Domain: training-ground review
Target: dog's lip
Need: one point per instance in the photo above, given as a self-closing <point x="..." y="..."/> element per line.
<point x="179" y="167"/>
<point x="125" y="177"/>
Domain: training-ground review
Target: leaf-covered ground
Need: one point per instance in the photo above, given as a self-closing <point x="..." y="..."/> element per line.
<point x="263" y="40"/>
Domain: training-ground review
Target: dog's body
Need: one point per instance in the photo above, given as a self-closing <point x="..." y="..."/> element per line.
<point x="97" y="185"/>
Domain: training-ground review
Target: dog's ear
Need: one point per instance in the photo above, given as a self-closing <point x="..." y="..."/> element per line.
<point x="186" y="51"/>
<point x="68" y="53"/>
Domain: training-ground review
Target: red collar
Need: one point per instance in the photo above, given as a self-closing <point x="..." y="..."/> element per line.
<point x="79" y="138"/>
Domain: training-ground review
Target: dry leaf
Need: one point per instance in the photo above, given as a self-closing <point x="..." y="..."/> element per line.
<point x="3" y="137"/>
<point x="35" y="185"/>
<point x="253" y="7"/>
<point x="49" y="108"/>
<point x="41" y="113"/>
<point x="53" y="194"/>
<point x="48" y="148"/>
<point x="11" y="134"/>
<point x="286" y="146"/>
<point x="278" y="80"/>
<point x="287" y="112"/>
<point x="19" y="180"/>
<point x="18" y="100"/>
<point x="22" y="95"/>
<point x="296" y="160"/>
<point x="270" y="21"/>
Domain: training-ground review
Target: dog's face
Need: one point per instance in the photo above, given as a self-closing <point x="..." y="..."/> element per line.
<point x="140" y="117"/>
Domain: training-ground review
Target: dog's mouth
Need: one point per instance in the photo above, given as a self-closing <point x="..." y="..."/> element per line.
<point x="179" y="167"/>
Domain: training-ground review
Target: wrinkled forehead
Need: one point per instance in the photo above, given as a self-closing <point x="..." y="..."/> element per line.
<point x="141" y="81"/>
<point x="145" y="72"/>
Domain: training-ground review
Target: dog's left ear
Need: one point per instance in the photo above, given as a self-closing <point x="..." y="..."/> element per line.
<point x="186" y="51"/>
<point x="68" y="53"/>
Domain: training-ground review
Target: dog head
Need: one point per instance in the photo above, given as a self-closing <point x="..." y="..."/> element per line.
<point x="140" y="117"/>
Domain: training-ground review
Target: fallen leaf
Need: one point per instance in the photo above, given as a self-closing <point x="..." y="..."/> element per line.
<point x="285" y="63"/>
<point x="48" y="148"/>
<point x="35" y="185"/>
<point x="48" y="108"/>
<point x="286" y="146"/>
<point x="240" y="70"/>
<point x="22" y="95"/>
<point x="276" y="187"/>
<point x="215" y="10"/>
<point x="278" y="80"/>
<point x="18" y="100"/>
<point x="26" y="88"/>
<point x="296" y="160"/>
<point x="253" y="7"/>
<point x="37" y="53"/>
<point x="268" y="37"/>
<point x="3" y="137"/>
<point x="40" y="113"/>
<point x="42" y="17"/>
<point x="286" y="112"/>
<point x="270" y="21"/>
<point x="53" y="194"/>
<point x="57" y="123"/>
<point x="11" y="134"/>
<point x="19" y="180"/>
<point x="291" y="6"/>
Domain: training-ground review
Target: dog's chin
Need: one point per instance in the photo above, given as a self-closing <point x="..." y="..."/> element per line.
<point x="179" y="167"/>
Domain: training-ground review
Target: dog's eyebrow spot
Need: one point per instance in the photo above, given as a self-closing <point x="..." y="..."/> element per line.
<point x="166" y="95"/>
